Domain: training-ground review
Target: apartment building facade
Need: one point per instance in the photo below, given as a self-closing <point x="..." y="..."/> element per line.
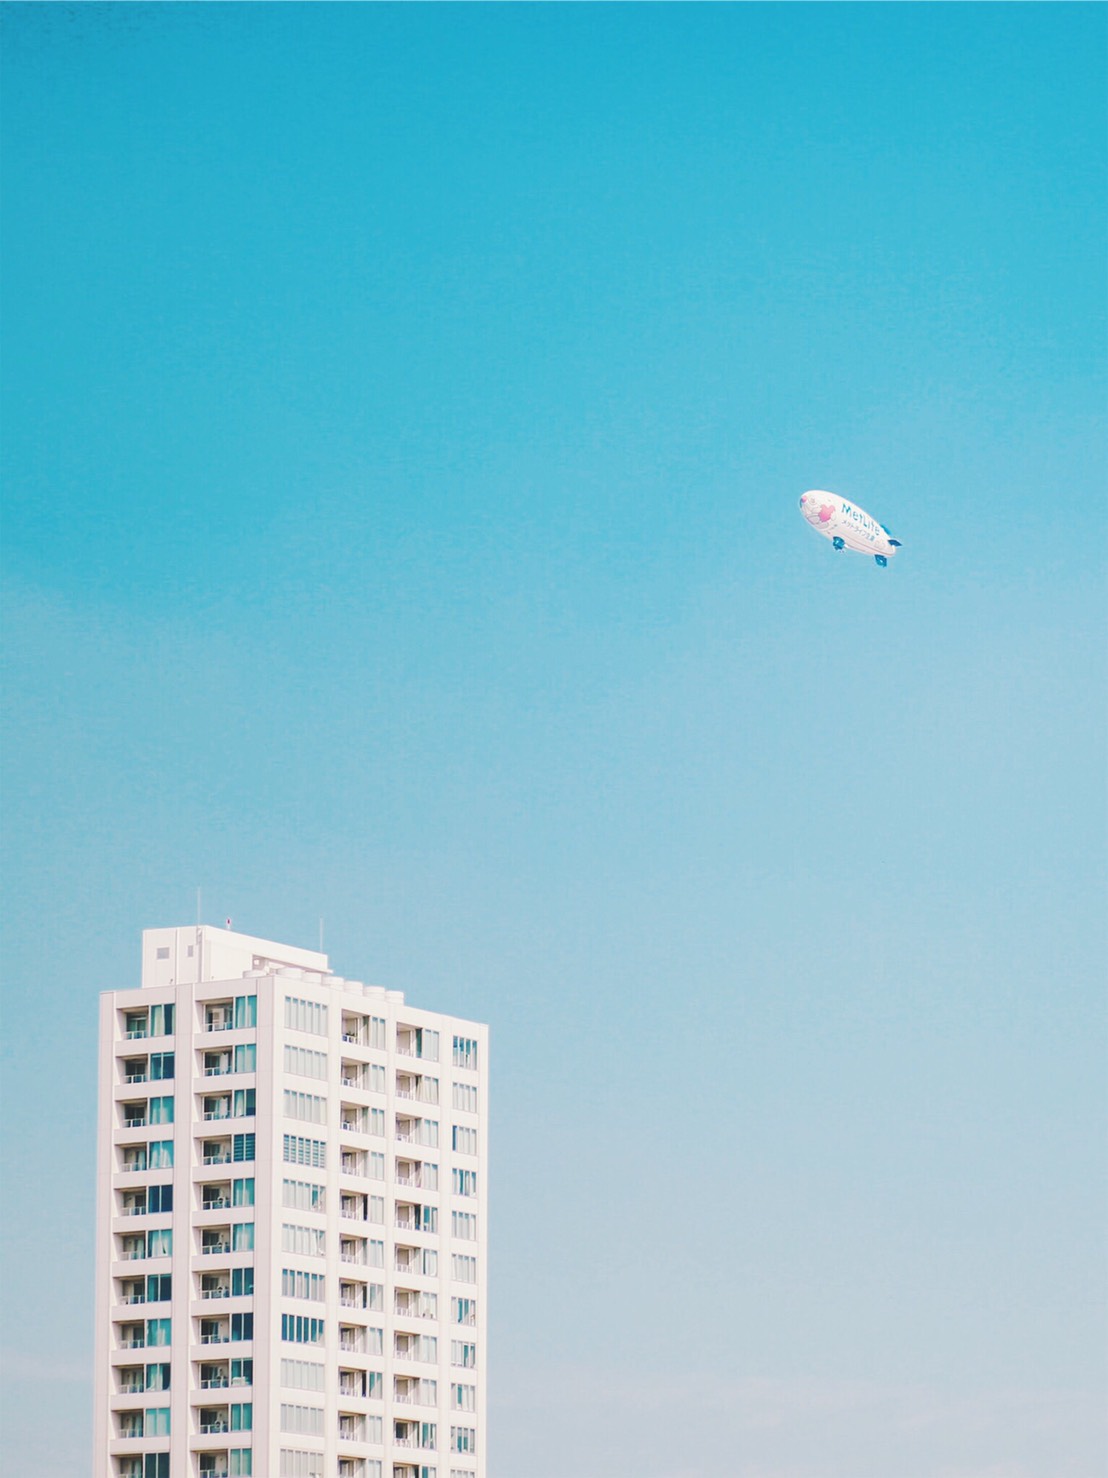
<point x="291" y="1228"/>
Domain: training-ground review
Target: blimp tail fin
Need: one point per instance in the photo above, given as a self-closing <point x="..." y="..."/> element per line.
<point x="895" y="543"/>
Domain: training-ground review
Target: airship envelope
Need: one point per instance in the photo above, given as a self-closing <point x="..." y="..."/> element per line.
<point x="847" y="525"/>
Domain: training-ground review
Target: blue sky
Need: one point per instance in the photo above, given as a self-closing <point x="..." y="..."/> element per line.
<point x="405" y="411"/>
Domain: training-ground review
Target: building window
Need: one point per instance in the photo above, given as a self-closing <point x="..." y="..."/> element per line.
<point x="161" y="1110"/>
<point x="297" y="1464"/>
<point x="246" y="1057"/>
<point x="299" y="1151"/>
<point x="243" y="1148"/>
<point x="298" y="1329"/>
<point x="161" y="1154"/>
<point x="159" y="1198"/>
<point x="244" y="1103"/>
<point x="305" y="1016"/>
<point x="161" y="1020"/>
<point x="241" y="1458"/>
<point x="303" y="1195"/>
<point x="464" y="1140"/>
<point x="463" y="1353"/>
<point x="298" y="1284"/>
<point x="463" y="1225"/>
<point x="307" y="1241"/>
<point x="463" y="1398"/>
<point x="464" y="1182"/>
<point x="465" y="1268"/>
<point x="159" y="1288"/>
<point x="302" y="1375"/>
<point x="246" y="1011"/>
<point x="161" y="1066"/>
<point x="305" y="1063"/>
<point x="157" y="1377"/>
<point x="242" y="1282"/>
<point x="242" y="1326"/>
<point x="463" y="1310"/>
<point x="465" y="1097"/>
<point x="463" y="1439"/>
<point x="242" y="1236"/>
<point x="242" y="1191"/>
<point x="307" y="1420"/>
<point x="311" y="1108"/>
<point x="465" y="1052"/>
<point x="158" y="1331"/>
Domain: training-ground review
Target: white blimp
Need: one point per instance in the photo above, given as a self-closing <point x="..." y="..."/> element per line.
<point x="848" y="526"/>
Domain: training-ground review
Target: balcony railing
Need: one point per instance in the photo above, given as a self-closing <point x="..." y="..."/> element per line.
<point x="218" y="1205"/>
<point x="217" y="1072"/>
<point x="215" y="1293"/>
<point x="218" y="1026"/>
<point x="220" y="1426"/>
<point x="222" y="1158"/>
<point x="214" y="1248"/>
<point x="133" y="1344"/>
<point x="136" y="1034"/>
<point x="210" y="1114"/>
<point x="135" y="1078"/>
<point x="218" y="1384"/>
<point x="133" y="1298"/>
<point x="215" y="1339"/>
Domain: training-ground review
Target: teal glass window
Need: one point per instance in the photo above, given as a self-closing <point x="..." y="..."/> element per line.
<point x="246" y="1011"/>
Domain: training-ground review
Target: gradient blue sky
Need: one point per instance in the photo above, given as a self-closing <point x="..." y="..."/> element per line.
<point x="405" y="411"/>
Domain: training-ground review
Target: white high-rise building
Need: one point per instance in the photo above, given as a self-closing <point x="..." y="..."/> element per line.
<point x="291" y="1238"/>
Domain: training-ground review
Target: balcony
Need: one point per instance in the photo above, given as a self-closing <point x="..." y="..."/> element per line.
<point x="220" y="1113"/>
<point x="219" y="1203"/>
<point x="219" y="1337"/>
<point x="221" y="1291"/>
<point x="215" y="1383"/>
<point x="218" y="1157"/>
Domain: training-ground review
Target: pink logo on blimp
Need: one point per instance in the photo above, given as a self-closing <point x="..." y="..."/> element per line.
<point x="816" y="511"/>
